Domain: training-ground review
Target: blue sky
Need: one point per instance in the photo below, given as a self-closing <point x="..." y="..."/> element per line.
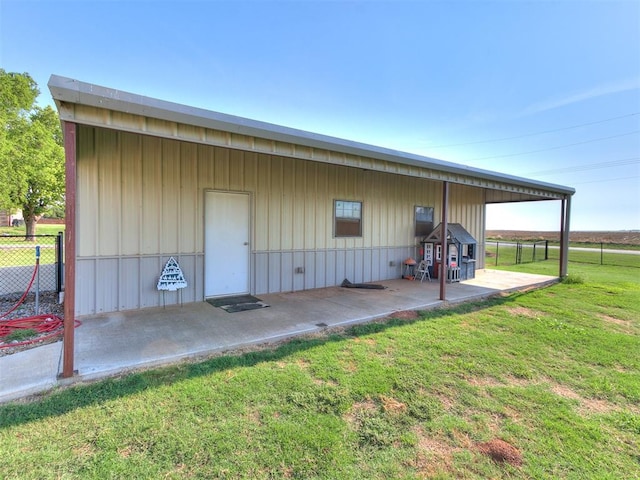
<point x="546" y="90"/>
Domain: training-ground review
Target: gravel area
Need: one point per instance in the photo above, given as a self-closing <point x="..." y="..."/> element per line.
<point x="48" y="304"/>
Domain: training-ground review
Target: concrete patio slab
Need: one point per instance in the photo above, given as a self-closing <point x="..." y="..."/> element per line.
<point x="111" y="344"/>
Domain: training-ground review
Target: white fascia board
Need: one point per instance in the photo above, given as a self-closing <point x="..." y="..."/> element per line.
<point x="73" y="91"/>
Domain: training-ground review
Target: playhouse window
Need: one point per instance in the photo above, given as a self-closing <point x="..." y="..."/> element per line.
<point x="347" y="218"/>
<point x="424" y="221"/>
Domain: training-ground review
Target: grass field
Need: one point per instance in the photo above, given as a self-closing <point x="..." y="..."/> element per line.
<point x="43" y="229"/>
<point x="16" y="252"/>
<point x="502" y="255"/>
<point x="540" y="385"/>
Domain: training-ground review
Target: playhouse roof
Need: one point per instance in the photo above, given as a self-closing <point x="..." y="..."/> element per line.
<point x="455" y="232"/>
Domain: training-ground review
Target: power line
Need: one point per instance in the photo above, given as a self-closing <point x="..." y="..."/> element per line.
<point x="554" y="148"/>
<point x="533" y="134"/>
<point x="591" y="166"/>
<point x="606" y="180"/>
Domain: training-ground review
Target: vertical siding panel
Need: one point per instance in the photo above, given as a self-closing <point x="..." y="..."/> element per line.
<point x="261" y="273"/>
<point x="262" y="219"/>
<point x="109" y="192"/>
<point x="206" y="167"/>
<point x="188" y="267"/>
<point x="323" y="231"/>
<point x="330" y="268"/>
<point x="358" y="265"/>
<point x="274" y="272"/>
<point x="107" y="285"/>
<point x="310" y="234"/>
<point x="298" y="278"/>
<point x="221" y="175"/>
<point x="236" y="171"/>
<point x="366" y="265"/>
<point x="131" y="205"/>
<point x="350" y="265"/>
<point x="190" y="200"/>
<point x="376" y="259"/>
<point x="382" y="232"/>
<point x="299" y="221"/>
<point x="85" y="287"/>
<point x="341" y="266"/>
<point x="199" y="278"/>
<point x="320" y="269"/>
<point x="287" y="271"/>
<point x="170" y="223"/>
<point x="151" y="194"/>
<point x="309" y="270"/>
<point x="150" y="269"/>
<point x="87" y="178"/>
<point x="128" y="283"/>
<point x="274" y="192"/>
<point x="287" y="196"/>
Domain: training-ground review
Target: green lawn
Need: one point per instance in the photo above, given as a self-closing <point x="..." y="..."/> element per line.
<point x="41" y="229"/>
<point x="16" y="252"/>
<point x="553" y="372"/>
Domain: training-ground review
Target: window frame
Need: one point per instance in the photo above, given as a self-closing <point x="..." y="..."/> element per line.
<point x="423" y="232"/>
<point x="337" y="229"/>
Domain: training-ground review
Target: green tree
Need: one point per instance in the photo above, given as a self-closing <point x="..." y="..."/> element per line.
<point x="31" y="151"/>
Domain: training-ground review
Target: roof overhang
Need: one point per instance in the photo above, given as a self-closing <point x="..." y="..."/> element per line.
<point x="89" y="104"/>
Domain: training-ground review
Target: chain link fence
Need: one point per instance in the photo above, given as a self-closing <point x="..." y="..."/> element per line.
<point x="18" y="259"/>
<point x="508" y="253"/>
<point x="513" y="253"/>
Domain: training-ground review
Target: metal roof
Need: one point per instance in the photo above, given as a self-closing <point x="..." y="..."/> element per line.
<point x="67" y="90"/>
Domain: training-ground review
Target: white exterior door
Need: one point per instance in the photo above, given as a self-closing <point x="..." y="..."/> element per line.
<point x="226" y="244"/>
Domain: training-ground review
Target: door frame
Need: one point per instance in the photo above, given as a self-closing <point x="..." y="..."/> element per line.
<point x="204" y="241"/>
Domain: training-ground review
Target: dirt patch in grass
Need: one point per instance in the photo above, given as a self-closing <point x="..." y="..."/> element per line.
<point x="359" y="407"/>
<point x="433" y="456"/>
<point x="484" y="382"/>
<point x="589" y="406"/>
<point x="524" y="312"/>
<point x="627" y="326"/>
<point x="405" y="315"/>
<point x="391" y="405"/>
<point x="501" y="452"/>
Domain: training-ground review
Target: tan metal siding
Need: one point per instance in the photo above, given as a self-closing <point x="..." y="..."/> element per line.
<point x="151" y="196"/>
<point x="131" y="206"/>
<point x="141" y="200"/>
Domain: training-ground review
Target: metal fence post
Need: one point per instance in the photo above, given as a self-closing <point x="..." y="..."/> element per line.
<point x="38" y="280"/>
<point x="59" y="258"/>
<point x="497" y="245"/>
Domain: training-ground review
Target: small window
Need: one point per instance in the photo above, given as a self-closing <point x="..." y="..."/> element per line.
<point x="348" y="219"/>
<point x="424" y="221"/>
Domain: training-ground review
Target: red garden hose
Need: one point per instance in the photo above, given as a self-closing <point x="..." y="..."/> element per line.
<point x="48" y="324"/>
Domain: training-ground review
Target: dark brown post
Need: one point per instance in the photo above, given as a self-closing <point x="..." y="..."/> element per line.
<point x="444" y="247"/>
<point x="69" y="248"/>
<point x="564" y="236"/>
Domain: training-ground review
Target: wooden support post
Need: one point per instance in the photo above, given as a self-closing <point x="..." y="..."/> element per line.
<point x="69" y="249"/>
<point x="564" y="235"/>
<point x="444" y="247"/>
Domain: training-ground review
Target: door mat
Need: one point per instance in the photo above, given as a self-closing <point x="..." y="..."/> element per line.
<point x="239" y="303"/>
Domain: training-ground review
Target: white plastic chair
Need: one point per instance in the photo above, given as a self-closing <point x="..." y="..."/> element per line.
<point x="423" y="270"/>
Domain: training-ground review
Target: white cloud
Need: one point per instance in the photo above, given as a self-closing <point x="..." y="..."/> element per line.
<point x="598" y="91"/>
